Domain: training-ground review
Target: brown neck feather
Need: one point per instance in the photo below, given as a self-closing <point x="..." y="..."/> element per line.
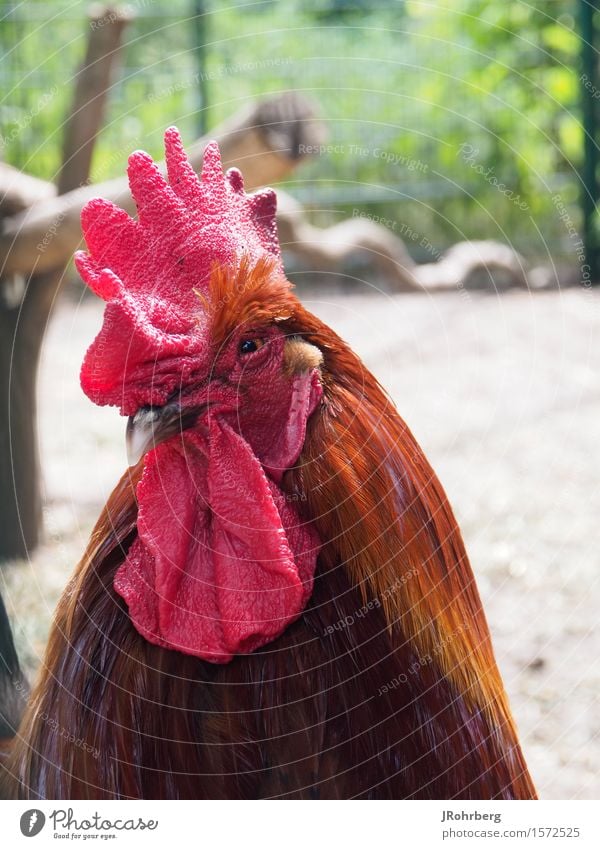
<point x="382" y="513"/>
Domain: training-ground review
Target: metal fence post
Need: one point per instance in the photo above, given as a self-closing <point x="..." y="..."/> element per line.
<point x="589" y="95"/>
<point x="199" y="15"/>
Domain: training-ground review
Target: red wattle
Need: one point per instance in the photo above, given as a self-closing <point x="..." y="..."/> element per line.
<point x="222" y="563"/>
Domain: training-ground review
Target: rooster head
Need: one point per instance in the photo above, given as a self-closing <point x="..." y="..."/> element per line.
<point x="194" y="350"/>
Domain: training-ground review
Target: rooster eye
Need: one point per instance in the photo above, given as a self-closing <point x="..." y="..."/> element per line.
<point x="249" y="346"/>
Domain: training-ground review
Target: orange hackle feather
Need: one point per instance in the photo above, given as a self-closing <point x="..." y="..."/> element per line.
<point x="383" y="513"/>
<point x="386" y="687"/>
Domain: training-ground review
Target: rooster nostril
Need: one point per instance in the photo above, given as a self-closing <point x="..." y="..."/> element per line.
<point x="146" y="415"/>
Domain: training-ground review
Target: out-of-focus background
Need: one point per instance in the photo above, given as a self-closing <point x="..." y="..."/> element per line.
<point x="437" y="167"/>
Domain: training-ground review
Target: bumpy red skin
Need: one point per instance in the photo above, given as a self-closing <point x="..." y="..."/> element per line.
<point x="154" y="338"/>
<point x="222" y="563"/>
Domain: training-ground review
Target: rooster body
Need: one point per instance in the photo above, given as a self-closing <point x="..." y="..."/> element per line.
<point x="376" y="678"/>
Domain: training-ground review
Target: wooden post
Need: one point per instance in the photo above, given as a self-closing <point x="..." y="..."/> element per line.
<point x="92" y="86"/>
<point x="26" y="299"/>
<point x="36" y="244"/>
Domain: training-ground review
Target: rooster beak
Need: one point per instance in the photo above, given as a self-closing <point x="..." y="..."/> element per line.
<point x="139" y="436"/>
<point x="152" y="425"/>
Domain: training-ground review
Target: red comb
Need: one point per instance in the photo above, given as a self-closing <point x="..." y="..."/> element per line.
<point x="154" y="332"/>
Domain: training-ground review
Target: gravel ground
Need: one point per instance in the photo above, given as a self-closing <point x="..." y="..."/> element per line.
<point x="503" y="393"/>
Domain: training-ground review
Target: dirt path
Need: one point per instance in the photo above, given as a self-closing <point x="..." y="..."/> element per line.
<point x="504" y="395"/>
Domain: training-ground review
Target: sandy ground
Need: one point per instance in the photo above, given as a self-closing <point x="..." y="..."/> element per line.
<point x="503" y="393"/>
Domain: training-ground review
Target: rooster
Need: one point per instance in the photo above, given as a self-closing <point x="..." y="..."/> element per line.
<point x="276" y="601"/>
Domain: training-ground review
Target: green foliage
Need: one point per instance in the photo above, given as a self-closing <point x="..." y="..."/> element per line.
<point x="405" y="88"/>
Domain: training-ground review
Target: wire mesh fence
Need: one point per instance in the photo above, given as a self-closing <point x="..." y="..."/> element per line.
<point x="454" y="121"/>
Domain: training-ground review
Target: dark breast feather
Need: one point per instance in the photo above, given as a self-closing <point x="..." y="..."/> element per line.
<point x="329" y="710"/>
